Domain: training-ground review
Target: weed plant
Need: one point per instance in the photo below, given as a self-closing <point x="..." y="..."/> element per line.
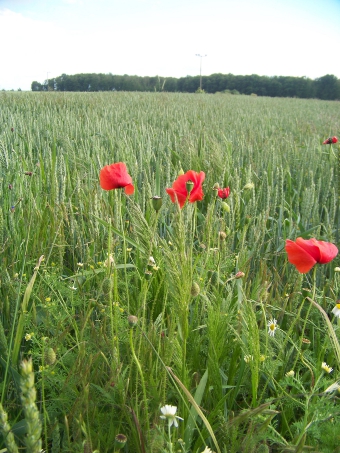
<point x="121" y="309"/>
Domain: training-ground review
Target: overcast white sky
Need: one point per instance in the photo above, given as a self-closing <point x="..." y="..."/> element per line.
<point x="45" y="38"/>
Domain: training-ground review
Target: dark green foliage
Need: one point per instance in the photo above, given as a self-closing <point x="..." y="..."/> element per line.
<point x="326" y="87"/>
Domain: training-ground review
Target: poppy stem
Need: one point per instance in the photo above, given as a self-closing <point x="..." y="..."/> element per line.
<point x="338" y="199"/>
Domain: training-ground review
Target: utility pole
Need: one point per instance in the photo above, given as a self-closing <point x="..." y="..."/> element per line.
<point x="201" y="56"/>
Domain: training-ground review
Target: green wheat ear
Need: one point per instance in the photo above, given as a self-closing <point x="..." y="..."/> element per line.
<point x="6" y="432"/>
<point x="28" y="397"/>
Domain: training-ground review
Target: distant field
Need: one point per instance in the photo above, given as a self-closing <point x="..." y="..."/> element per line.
<point x="96" y="376"/>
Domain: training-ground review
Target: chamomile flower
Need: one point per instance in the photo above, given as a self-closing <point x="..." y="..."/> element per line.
<point x="336" y="309"/>
<point x="151" y="261"/>
<point x="169" y="413"/>
<point x="272" y="326"/>
<point x="248" y="358"/>
<point x="326" y="367"/>
<point x="333" y="388"/>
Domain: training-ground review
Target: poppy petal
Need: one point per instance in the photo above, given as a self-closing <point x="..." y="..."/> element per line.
<point x="178" y="191"/>
<point x="129" y="189"/>
<point x="114" y="176"/>
<point x="176" y="196"/>
<point x="310" y="246"/>
<point x="299" y="257"/>
<point x="328" y="252"/>
<point x="223" y="193"/>
<point x="197" y="193"/>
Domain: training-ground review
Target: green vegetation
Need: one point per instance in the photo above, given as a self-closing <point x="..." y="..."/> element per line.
<point x="326" y="87"/>
<point x="114" y="335"/>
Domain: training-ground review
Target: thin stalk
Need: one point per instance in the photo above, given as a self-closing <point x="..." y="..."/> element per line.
<point x="140" y="371"/>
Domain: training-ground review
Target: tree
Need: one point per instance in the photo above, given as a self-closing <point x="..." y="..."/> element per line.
<point x="328" y="87"/>
<point x="36" y="86"/>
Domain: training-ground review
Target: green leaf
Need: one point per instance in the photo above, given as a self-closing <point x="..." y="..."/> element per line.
<point x="189" y="429"/>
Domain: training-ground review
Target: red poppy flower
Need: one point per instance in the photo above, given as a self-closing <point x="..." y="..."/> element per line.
<point x="179" y="192"/>
<point x="330" y="140"/>
<point x="304" y="253"/>
<point x="223" y="193"/>
<point x="115" y="176"/>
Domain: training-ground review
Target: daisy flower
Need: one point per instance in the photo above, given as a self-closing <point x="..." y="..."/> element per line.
<point x="248" y="358"/>
<point x="272" y="327"/>
<point x="336" y="309"/>
<point x="169" y="413"/>
<point x="326" y="367"/>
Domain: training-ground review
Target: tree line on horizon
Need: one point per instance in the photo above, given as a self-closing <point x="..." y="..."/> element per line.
<point x="326" y="87"/>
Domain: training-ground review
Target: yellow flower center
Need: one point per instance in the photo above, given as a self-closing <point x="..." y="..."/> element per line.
<point x="272" y="327"/>
<point x="337" y="306"/>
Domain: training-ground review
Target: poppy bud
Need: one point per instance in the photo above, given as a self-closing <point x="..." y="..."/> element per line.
<point x="189" y="186"/>
<point x="330" y="140"/>
<point x="222" y="235"/>
<point x="120" y="441"/>
<point x="181" y="172"/>
<point x="216" y="186"/>
<point x="225" y="206"/>
<point x="156" y="202"/>
<point x="107" y="286"/>
<point x="50" y="356"/>
<point x="195" y="289"/>
<point x="132" y="320"/>
<point x="10" y="186"/>
<point x="28" y="173"/>
<point x="239" y="274"/>
<point x="213" y="277"/>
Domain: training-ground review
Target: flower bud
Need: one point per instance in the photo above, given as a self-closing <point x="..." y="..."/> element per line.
<point x="216" y="186"/>
<point x="225" y="206"/>
<point x="239" y="274"/>
<point x="222" y="235"/>
<point x="213" y="277"/>
<point x="133" y="320"/>
<point x="195" y="289"/>
<point x="107" y="286"/>
<point x="181" y="172"/>
<point x="156" y="202"/>
<point x="50" y="356"/>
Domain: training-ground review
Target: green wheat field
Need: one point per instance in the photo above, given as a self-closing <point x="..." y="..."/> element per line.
<point x="111" y="310"/>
